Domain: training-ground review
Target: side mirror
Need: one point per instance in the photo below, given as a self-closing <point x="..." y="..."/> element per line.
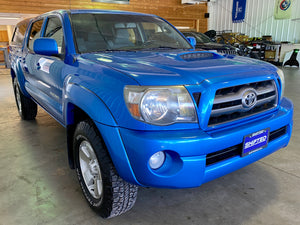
<point x="45" y="46"/>
<point x="192" y="41"/>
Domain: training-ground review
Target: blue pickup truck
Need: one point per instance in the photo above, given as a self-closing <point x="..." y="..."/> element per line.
<point x="141" y="106"/>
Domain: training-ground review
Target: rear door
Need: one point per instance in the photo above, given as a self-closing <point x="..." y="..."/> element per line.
<point x="15" y="50"/>
<point x="29" y="70"/>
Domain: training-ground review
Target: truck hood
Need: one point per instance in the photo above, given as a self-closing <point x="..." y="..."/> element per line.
<point x="176" y="67"/>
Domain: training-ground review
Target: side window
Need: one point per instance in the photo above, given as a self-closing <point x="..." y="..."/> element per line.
<point x="159" y="33"/>
<point x="54" y="30"/>
<point x="19" y="33"/>
<point x="34" y="33"/>
<point x="15" y="36"/>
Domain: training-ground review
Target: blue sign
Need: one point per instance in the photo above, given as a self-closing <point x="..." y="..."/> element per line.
<point x="238" y="11"/>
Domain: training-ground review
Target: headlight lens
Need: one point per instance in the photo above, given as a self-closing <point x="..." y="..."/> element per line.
<point x="281" y="76"/>
<point x="163" y="105"/>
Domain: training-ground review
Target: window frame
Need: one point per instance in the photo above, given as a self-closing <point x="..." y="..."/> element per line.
<point x="29" y="31"/>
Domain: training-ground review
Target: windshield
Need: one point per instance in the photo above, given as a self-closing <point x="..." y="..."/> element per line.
<point x="118" y="32"/>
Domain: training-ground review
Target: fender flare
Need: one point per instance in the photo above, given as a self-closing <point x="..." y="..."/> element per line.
<point x="19" y="75"/>
<point x="88" y="102"/>
<point x="95" y="109"/>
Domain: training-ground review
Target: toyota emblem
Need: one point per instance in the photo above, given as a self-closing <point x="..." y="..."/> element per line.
<point x="249" y="98"/>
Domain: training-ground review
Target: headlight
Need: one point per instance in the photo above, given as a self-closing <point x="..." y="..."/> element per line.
<point x="162" y="105"/>
<point x="281" y="76"/>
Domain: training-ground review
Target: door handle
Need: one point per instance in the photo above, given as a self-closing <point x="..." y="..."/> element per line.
<point x="25" y="68"/>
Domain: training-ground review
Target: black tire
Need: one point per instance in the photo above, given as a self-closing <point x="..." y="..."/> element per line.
<point x="26" y="107"/>
<point x="118" y="196"/>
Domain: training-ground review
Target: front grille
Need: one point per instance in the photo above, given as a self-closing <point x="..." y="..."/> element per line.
<point x="277" y="133"/>
<point x="224" y="154"/>
<point x="231" y="104"/>
<point x="236" y="150"/>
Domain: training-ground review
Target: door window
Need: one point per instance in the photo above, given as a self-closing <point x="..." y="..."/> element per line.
<point x="34" y="33"/>
<point x="54" y="30"/>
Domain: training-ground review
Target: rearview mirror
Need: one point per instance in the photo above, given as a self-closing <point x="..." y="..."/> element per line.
<point x="45" y="46"/>
<point x="192" y="40"/>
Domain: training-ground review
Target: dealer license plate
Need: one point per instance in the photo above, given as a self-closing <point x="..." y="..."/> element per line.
<point x="255" y="141"/>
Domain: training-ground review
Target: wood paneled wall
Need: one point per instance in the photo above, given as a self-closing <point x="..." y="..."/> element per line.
<point x="172" y="10"/>
<point x="3" y="36"/>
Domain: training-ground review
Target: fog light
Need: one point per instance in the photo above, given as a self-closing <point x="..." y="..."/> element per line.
<point x="157" y="160"/>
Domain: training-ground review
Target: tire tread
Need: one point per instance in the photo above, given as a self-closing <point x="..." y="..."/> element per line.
<point x="28" y="107"/>
<point x="120" y="196"/>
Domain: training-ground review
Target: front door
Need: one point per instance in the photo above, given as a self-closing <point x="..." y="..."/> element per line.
<point x="46" y="72"/>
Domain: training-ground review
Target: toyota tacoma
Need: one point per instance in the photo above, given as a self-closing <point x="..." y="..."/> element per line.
<point x="141" y="106"/>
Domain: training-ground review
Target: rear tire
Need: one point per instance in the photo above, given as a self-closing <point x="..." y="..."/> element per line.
<point x="105" y="191"/>
<point x="26" y="107"/>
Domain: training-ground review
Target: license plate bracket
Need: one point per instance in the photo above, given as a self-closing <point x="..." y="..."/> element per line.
<point x="255" y="141"/>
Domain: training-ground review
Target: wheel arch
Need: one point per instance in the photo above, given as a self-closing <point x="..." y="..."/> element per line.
<point x="81" y="104"/>
<point x="111" y="139"/>
<point x="12" y="73"/>
<point x="17" y="73"/>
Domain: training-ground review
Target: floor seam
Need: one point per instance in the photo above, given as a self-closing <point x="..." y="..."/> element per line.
<point x="281" y="170"/>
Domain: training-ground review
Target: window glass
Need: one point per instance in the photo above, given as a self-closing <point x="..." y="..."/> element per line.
<point x="19" y="33"/>
<point x="117" y="32"/>
<point x="54" y="30"/>
<point x="202" y="38"/>
<point x="34" y="33"/>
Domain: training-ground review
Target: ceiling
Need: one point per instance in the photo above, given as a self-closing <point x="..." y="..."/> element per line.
<point x="13" y="18"/>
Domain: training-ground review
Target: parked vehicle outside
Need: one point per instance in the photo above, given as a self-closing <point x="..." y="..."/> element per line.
<point x="205" y="43"/>
<point x="141" y="106"/>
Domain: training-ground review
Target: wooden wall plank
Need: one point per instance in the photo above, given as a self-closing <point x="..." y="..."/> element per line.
<point x="3" y="36"/>
<point x="168" y="9"/>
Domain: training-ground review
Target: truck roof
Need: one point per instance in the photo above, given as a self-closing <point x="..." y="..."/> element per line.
<point x="105" y="11"/>
<point x="96" y="11"/>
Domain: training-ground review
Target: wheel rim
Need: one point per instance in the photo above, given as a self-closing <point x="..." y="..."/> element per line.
<point x="18" y="98"/>
<point x="90" y="169"/>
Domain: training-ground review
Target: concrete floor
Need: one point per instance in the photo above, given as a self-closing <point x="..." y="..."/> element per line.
<point x="37" y="187"/>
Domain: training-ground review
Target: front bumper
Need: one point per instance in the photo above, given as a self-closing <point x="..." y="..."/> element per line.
<point x="186" y="150"/>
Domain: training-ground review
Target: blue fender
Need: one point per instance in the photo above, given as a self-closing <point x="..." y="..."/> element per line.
<point x="95" y="108"/>
<point x="88" y="102"/>
<point x="114" y="144"/>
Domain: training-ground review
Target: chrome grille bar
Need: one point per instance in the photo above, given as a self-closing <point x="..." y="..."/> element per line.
<point x="237" y="96"/>
<point x="228" y="103"/>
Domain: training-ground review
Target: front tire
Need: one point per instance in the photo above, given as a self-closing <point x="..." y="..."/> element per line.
<point x="105" y="191"/>
<point x="26" y="107"/>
